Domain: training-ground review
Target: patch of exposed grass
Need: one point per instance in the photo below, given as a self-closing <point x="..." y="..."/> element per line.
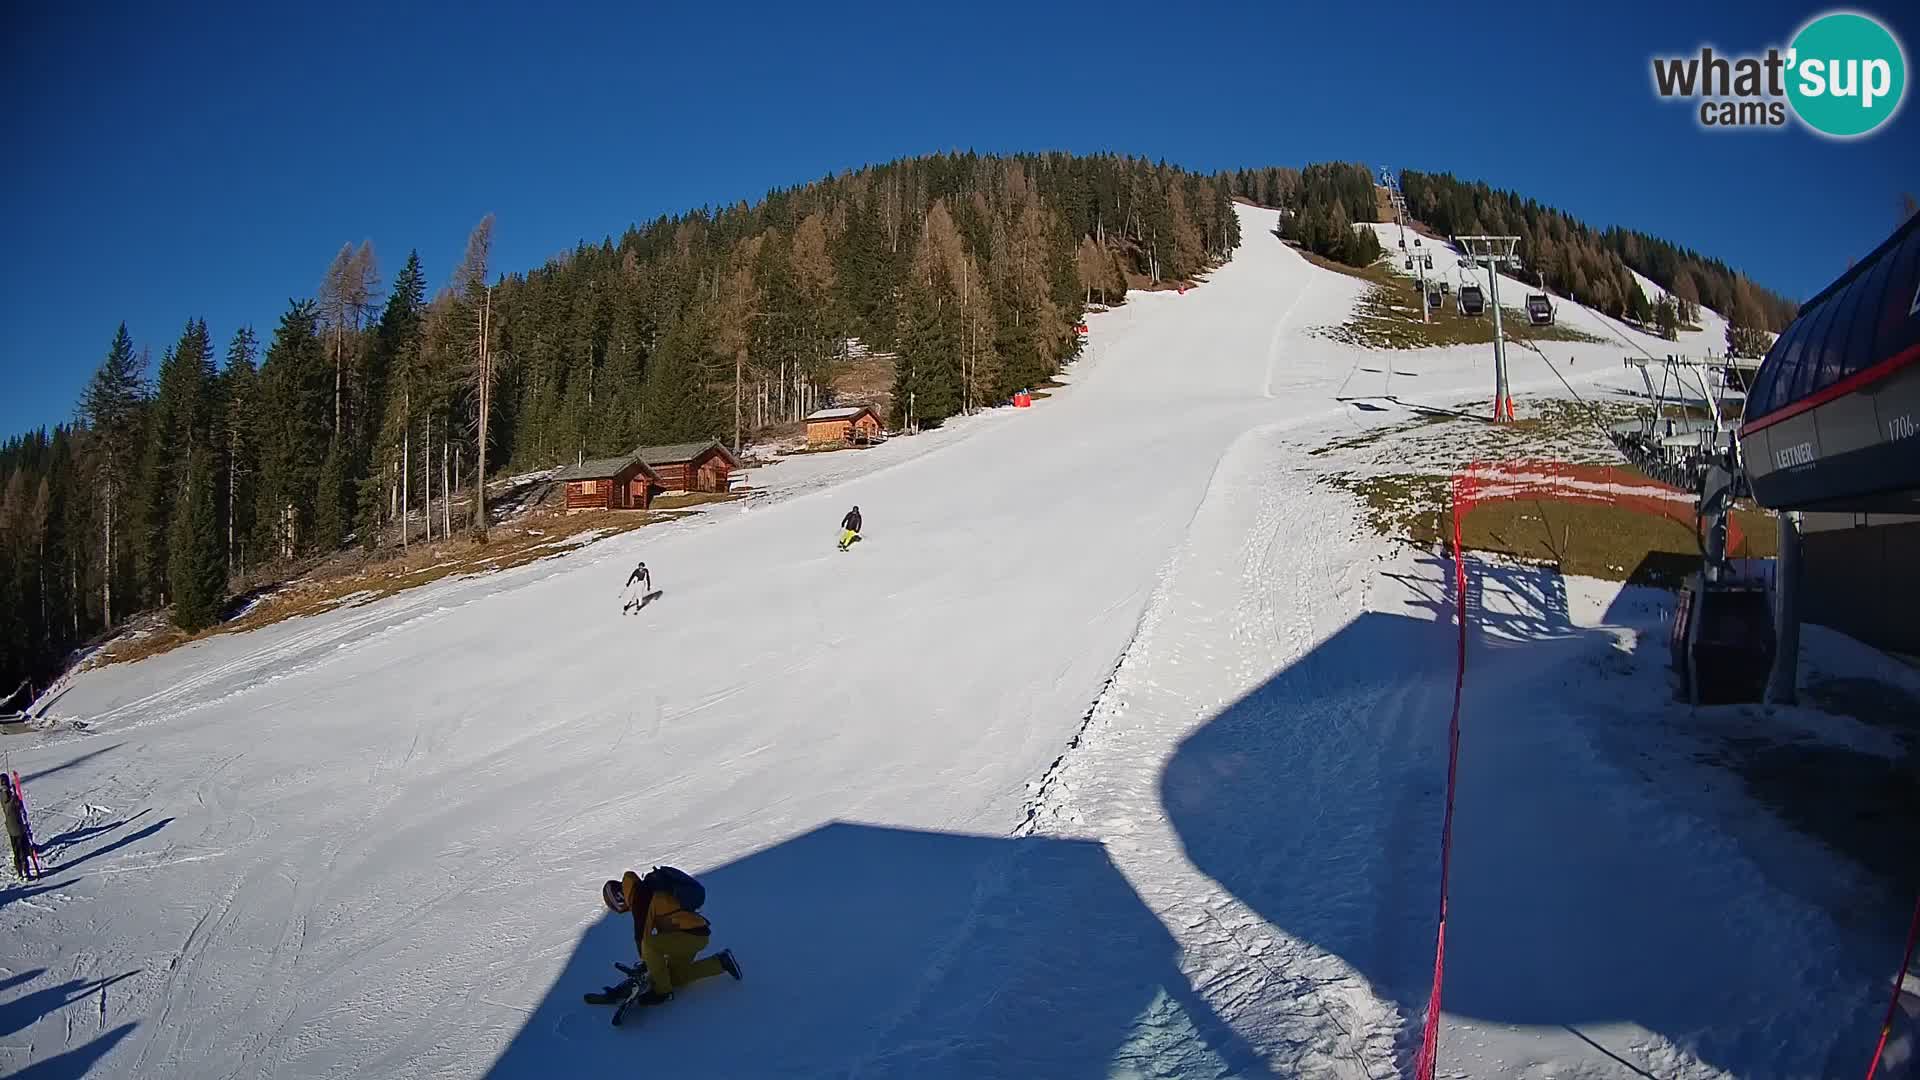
<point x="864" y="380"/>
<point x="1613" y="543"/>
<point x="1388" y="316"/>
<point x="1404" y="506"/>
<point x="534" y="538"/>
<point x="827" y="448"/>
<point x="1386" y="431"/>
<point x="681" y="500"/>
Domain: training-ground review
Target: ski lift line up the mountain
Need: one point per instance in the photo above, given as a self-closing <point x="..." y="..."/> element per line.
<point x="1416" y="261"/>
<point x="1495" y="252"/>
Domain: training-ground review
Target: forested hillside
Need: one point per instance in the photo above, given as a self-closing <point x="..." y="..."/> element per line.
<point x="179" y="479"/>
<point x="1590" y="264"/>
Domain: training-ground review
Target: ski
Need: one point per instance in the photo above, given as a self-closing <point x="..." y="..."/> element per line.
<point x="638" y="983"/>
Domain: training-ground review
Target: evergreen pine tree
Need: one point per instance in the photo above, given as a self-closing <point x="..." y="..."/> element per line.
<point x="197" y="563"/>
<point x="330" y="501"/>
<point x="1666" y="318"/>
<point x="239" y="461"/>
<point x="112" y="407"/>
<point x="294" y="418"/>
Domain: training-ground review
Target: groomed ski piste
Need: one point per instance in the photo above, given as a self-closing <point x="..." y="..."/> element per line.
<point x="1117" y="747"/>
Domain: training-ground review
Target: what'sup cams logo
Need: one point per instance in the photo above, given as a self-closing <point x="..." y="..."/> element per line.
<point x="1843" y="76"/>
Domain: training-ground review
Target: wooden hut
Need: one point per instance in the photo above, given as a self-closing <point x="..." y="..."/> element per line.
<point x="832" y="427"/>
<point x="615" y="483"/>
<point x="698" y="466"/>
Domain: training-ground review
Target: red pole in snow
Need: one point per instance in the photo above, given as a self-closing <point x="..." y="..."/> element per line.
<point x="1893" y="1003"/>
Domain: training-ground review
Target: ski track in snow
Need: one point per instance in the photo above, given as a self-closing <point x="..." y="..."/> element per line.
<point x="368" y="842"/>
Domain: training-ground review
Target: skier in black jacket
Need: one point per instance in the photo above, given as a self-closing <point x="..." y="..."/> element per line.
<point x="850" y="528"/>
<point x="639" y="586"/>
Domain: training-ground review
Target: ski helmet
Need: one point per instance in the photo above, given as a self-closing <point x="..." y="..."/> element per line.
<point x="615" y="897"/>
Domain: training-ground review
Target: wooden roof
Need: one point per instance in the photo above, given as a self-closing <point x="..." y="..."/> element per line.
<point x="677" y="453"/>
<point x="841" y="414"/>
<point x="603" y="468"/>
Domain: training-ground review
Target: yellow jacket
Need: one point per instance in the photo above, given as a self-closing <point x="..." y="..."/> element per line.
<point x="655" y="910"/>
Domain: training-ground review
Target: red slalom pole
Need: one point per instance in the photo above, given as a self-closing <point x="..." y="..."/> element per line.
<point x="1899" y="979"/>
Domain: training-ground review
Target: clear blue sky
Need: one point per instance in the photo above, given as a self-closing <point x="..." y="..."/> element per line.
<point x="162" y="164"/>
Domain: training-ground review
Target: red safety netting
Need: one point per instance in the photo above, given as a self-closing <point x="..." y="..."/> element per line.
<point x="1484" y="482"/>
<point x="1462" y="497"/>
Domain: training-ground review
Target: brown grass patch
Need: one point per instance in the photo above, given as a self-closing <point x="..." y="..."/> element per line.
<point x="681" y="500"/>
<point x="529" y="540"/>
<point x="1143" y="283"/>
<point x="1610" y="542"/>
<point x="865" y="380"/>
<point x="1388" y="316"/>
<point x="829" y="448"/>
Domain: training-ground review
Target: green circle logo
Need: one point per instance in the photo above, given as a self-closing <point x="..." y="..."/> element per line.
<point x="1847" y="74"/>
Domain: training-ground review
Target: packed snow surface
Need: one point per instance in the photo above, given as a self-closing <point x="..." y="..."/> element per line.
<point x="1115" y="748"/>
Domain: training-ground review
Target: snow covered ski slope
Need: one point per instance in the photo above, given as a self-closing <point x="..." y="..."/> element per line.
<point x="370" y="843"/>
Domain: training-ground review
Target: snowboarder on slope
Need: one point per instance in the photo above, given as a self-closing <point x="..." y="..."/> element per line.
<point x="18" y="838"/>
<point x="850" y="526"/>
<point x="668" y="935"/>
<point x="639" y="584"/>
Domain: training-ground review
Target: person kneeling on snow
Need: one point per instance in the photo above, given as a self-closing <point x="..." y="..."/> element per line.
<point x="669" y="933"/>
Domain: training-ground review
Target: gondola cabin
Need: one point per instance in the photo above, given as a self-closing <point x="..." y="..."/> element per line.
<point x="1470" y="300"/>
<point x="1539" y="309"/>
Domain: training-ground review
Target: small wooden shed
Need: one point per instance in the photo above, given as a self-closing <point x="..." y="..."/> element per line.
<point x="615" y="483"/>
<point x="829" y="427"/>
<point x="698" y="466"/>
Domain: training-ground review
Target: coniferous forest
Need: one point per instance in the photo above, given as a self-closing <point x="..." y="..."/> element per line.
<point x="342" y="417"/>
<point x="1590" y="265"/>
<point x="244" y="451"/>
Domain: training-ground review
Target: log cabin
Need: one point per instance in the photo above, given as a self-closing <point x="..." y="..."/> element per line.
<point x="615" y="483"/>
<point x="829" y="427"/>
<point x="697" y="466"/>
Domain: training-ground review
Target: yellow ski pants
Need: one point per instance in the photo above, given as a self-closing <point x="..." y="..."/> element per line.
<point x="670" y="960"/>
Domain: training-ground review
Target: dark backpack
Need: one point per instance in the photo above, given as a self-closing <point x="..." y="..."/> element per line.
<point x="682" y="886"/>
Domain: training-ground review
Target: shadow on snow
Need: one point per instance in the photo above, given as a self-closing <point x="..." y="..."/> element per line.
<point x="75" y="1063"/>
<point x="1577" y="893"/>
<point x="23" y="1011"/>
<point x="889" y="952"/>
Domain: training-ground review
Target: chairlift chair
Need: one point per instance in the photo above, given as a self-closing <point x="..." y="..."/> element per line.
<point x="1429" y="264"/>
